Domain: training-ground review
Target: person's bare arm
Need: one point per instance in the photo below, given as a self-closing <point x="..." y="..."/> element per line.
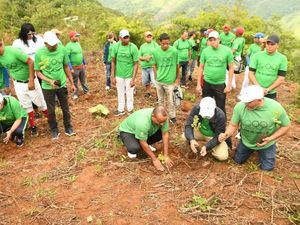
<point x="15" y="125"/>
<point x="279" y="133"/>
<point x="230" y="130"/>
<point x="148" y="151"/>
<point x="70" y="77"/>
<point x="253" y="78"/>
<point x="201" y="68"/>
<point x="165" y="138"/>
<point x="276" y="84"/>
<point x="30" y="64"/>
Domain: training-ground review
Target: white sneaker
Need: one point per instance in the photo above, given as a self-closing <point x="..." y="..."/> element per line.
<point x="107" y="88"/>
<point x="131" y="156"/>
<point x="238" y="135"/>
<point x="152" y="148"/>
<point x="75" y="97"/>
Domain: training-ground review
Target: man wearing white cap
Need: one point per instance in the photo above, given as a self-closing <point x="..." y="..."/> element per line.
<point x="261" y="121"/>
<point x="124" y="67"/>
<point x="205" y="122"/>
<point x="51" y="65"/>
<point x="213" y="64"/>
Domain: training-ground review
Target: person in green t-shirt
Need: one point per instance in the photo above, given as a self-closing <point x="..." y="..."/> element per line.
<point x="261" y="121"/>
<point x="237" y="48"/>
<point x="107" y="50"/>
<point x="203" y="41"/>
<point x="205" y="122"/>
<point x="268" y="68"/>
<point x="142" y="129"/>
<point x="166" y="69"/>
<point x="253" y="49"/>
<point x="51" y="65"/>
<point x="194" y="54"/>
<point x="27" y="87"/>
<point x="124" y="68"/>
<point x="213" y="64"/>
<point x="77" y="62"/>
<point x="13" y="120"/>
<point x="146" y="58"/>
<point x="227" y="37"/>
<point x="4" y="81"/>
<point x="183" y="47"/>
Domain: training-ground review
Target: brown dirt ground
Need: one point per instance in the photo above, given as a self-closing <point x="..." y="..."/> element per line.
<point x="88" y="177"/>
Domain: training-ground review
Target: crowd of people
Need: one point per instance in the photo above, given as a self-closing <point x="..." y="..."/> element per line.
<point x="39" y="67"/>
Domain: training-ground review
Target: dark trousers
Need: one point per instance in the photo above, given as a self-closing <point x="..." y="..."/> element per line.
<point x="108" y="72"/>
<point x="267" y="156"/>
<point x="80" y="75"/>
<point x="133" y="145"/>
<point x="215" y="91"/>
<point x="19" y="132"/>
<point x="62" y="96"/>
<point x="184" y="69"/>
<point x="272" y="96"/>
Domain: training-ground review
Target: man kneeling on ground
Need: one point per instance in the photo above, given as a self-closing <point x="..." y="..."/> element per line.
<point x="205" y="122"/>
<point x="13" y="120"/>
<point x="143" y="128"/>
<point x="261" y="121"/>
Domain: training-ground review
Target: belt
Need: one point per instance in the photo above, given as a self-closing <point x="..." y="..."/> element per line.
<point x="22" y="81"/>
<point x="78" y="67"/>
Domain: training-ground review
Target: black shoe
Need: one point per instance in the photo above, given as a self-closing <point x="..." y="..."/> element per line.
<point x="19" y="142"/>
<point x="69" y="132"/>
<point x="173" y="121"/>
<point x="37" y="115"/>
<point x="118" y="113"/>
<point x="190" y="78"/>
<point x="148" y="95"/>
<point x="55" y="134"/>
<point x="33" y="131"/>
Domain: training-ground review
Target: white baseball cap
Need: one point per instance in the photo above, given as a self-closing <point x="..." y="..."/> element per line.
<point x="207" y="107"/>
<point x="213" y="34"/>
<point x="1" y="98"/>
<point x="50" y="38"/>
<point x="251" y="93"/>
<point x="124" y="33"/>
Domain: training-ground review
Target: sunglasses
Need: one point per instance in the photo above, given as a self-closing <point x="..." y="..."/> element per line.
<point x="126" y="37"/>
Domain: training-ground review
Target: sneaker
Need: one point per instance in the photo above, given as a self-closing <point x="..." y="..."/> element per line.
<point x="55" y="134"/>
<point x="107" y="88"/>
<point x="173" y="121"/>
<point x="37" y="115"/>
<point x="131" y="156"/>
<point x="238" y="135"/>
<point x="184" y="86"/>
<point x="118" y="113"/>
<point x="19" y="142"/>
<point x="74" y="97"/>
<point x="190" y="78"/>
<point x="152" y="148"/>
<point x="33" y="131"/>
<point x="69" y="132"/>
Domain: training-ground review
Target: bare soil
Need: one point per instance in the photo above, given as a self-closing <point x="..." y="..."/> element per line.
<point x="87" y="179"/>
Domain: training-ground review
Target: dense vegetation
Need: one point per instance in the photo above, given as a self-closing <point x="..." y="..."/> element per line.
<point x="93" y="21"/>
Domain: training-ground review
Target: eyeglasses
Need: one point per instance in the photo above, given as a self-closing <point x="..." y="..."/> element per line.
<point x="126" y="37"/>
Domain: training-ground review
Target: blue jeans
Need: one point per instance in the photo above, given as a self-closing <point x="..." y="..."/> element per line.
<point x="148" y="76"/>
<point x="266" y="156"/>
<point x="108" y="72"/>
<point x="80" y="75"/>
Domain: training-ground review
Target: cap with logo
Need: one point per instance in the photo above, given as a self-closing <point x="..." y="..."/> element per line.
<point x="207" y="107"/>
<point x="50" y="38"/>
<point x="251" y="93"/>
<point x="124" y="33"/>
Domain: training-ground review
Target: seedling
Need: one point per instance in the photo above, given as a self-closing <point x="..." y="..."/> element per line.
<point x="202" y="203"/>
<point x="81" y="154"/>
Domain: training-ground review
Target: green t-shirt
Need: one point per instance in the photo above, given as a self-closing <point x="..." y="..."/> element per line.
<point x="194" y="52"/>
<point x="126" y="56"/>
<point x="74" y="52"/>
<point x="238" y="44"/>
<point x="183" y="48"/>
<point x="110" y="51"/>
<point x="205" y="128"/>
<point x="11" y="111"/>
<point x="253" y="48"/>
<point x="166" y="64"/>
<point x="268" y="67"/>
<point x="215" y="62"/>
<point x="2" y="84"/>
<point x="203" y="45"/>
<point x="259" y="123"/>
<point x="147" y="49"/>
<point x="227" y="39"/>
<point x="14" y="60"/>
<point x="52" y="65"/>
<point x="140" y="124"/>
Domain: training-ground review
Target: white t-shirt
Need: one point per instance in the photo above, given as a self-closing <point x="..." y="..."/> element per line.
<point x="31" y="48"/>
